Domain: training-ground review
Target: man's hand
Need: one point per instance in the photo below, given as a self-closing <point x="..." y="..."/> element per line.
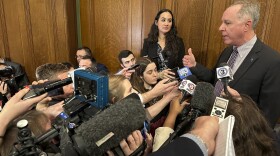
<point x="134" y="140"/>
<point x="166" y="74"/>
<point x="235" y="95"/>
<point x="164" y="86"/>
<point x="3" y="88"/>
<point x="176" y="107"/>
<point x="189" y="59"/>
<point x="206" y="128"/>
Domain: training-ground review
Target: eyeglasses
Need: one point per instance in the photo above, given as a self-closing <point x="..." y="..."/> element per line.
<point x="79" y="56"/>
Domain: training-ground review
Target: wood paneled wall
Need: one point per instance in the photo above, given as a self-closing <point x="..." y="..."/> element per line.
<point x="109" y="26"/>
<point x="34" y="32"/>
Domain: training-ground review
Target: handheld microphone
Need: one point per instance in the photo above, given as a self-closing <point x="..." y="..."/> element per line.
<point x="37" y="90"/>
<point x="201" y="104"/>
<point x="105" y="130"/>
<point x="224" y="74"/>
<point x="184" y="73"/>
<point x="187" y="86"/>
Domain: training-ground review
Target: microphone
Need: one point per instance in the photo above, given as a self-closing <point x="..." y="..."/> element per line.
<point x="37" y="90"/>
<point x="187" y="86"/>
<point x="224" y="74"/>
<point x="105" y="130"/>
<point x="184" y="72"/>
<point x="201" y="104"/>
<point x="203" y="97"/>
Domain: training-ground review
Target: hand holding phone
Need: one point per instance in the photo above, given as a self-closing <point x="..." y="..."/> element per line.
<point x="175" y="71"/>
<point x="133" y="67"/>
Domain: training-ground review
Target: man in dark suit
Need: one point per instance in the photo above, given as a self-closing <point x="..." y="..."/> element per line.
<point x="256" y="66"/>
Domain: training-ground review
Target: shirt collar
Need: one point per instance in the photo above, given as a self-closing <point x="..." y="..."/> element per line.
<point x="244" y="49"/>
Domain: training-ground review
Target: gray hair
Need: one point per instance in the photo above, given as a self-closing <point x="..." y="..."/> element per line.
<point x="249" y="9"/>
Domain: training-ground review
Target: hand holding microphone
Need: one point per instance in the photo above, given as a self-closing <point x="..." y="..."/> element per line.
<point x="187" y="87"/>
<point x="201" y="104"/>
<point x="134" y="140"/>
<point x="167" y="73"/>
<point x="224" y="74"/>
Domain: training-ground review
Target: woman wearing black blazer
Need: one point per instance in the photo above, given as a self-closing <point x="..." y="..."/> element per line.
<point x="163" y="45"/>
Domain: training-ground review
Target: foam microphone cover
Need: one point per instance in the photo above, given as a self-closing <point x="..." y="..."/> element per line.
<point x="192" y="78"/>
<point x="203" y="97"/>
<point x="121" y="119"/>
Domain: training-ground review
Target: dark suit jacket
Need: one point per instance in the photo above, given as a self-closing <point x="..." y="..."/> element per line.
<point x="180" y="146"/>
<point x="258" y="76"/>
<point x="150" y="49"/>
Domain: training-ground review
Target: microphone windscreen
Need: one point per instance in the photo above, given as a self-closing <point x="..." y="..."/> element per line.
<point x="192" y="78"/>
<point x="105" y="130"/>
<point x="203" y="97"/>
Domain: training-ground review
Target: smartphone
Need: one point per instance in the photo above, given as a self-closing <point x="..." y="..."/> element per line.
<point x="175" y="71"/>
<point x="133" y="67"/>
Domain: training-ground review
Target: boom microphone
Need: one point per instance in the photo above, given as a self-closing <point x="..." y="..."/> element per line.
<point x="106" y="130"/>
<point x="201" y="104"/>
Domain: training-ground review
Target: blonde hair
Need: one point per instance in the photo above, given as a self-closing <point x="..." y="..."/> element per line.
<point x="116" y="88"/>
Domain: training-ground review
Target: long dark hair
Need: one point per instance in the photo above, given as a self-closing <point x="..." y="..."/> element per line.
<point x="170" y="37"/>
<point x="251" y="133"/>
<point x="136" y="81"/>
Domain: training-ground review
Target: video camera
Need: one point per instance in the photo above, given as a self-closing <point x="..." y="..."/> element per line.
<point x="7" y="75"/>
<point x="90" y="95"/>
<point x="7" y="72"/>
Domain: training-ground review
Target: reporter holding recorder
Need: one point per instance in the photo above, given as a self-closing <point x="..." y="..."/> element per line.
<point x="200" y="141"/>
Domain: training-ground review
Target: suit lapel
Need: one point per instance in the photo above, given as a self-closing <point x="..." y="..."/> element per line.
<point x="226" y="54"/>
<point x="250" y="59"/>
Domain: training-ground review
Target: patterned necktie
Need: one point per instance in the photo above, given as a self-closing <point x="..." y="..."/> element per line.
<point x="219" y="85"/>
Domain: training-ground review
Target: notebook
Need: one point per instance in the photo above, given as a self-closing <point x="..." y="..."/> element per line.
<point x="224" y="143"/>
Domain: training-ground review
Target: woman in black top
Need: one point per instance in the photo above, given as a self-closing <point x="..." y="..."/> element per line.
<point x="163" y="45"/>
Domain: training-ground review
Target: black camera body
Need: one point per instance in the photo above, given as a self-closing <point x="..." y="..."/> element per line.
<point x="7" y="72"/>
<point x="91" y="95"/>
<point x="8" y="76"/>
